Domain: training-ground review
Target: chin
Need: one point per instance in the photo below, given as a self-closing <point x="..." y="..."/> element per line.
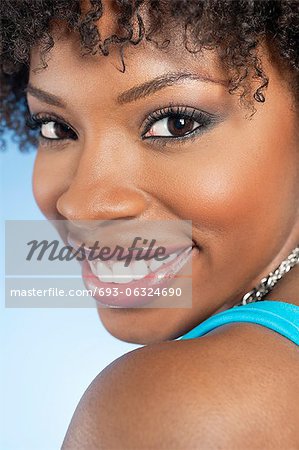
<point x="136" y="325"/>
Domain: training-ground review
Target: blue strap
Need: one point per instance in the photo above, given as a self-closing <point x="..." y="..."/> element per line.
<point x="278" y="316"/>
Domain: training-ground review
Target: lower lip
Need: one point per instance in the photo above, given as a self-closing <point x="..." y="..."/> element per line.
<point x="122" y="300"/>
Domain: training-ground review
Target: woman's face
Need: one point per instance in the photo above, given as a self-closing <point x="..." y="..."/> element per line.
<point x="235" y="178"/>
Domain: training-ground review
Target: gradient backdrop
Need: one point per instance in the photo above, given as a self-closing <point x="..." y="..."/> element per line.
<point x="48" y="356"/>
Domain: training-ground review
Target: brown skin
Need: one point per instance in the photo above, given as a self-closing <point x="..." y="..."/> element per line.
<point x="234" y="389"/>
<point x="238" y="182"/>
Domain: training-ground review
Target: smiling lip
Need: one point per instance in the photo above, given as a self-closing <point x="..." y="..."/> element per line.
<point x="169" y="249"/>
<point x="162" y="278"/>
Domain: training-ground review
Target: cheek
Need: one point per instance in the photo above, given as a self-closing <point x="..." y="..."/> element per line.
<point x="240" y="189"/>
<point x="239" y="185"/>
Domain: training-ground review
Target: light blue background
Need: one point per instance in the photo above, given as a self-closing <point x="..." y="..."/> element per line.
<point x="49" y="356"/>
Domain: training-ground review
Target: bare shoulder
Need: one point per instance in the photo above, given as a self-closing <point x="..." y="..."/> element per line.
<point x="237" y="387"/>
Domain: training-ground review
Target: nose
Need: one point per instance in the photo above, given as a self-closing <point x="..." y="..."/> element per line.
<point x="98" y="192"/>
<point x="101" y="201"/>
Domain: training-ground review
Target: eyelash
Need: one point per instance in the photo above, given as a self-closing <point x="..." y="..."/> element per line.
<point x="204" y="119"/>
<point x="35" y="122"/>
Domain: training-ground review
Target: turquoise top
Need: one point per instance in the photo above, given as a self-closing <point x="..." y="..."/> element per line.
<point x="278" y="316"/>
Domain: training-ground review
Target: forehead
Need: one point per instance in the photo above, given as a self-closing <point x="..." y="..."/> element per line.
<point x="148" y="56"/>
<point x="67" y="66"/>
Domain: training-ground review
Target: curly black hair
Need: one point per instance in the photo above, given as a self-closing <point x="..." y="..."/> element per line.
<point x="234" y="28"/>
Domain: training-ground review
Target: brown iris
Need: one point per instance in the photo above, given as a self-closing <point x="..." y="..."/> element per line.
<point x="179" y="126"/>
<point x="63" y="131"/>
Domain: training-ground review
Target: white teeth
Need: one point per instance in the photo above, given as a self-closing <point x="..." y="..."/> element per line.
<point x="154" y="264"/>
<point x="139" y="269"/>
<point x="92" y="265"/>
<point x="121" y="273"/>
<point x="103" y="272"/>
<point x="171" y="257"/>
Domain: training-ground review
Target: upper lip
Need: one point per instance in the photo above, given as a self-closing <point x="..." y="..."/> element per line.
<point x="87" y="246"/>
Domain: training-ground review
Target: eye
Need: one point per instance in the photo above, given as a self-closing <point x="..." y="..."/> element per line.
<point x="56" y="130"/>
<point x="178" y="122"/>
<point x="51" y="128"/>
<point x="173" y="126"/>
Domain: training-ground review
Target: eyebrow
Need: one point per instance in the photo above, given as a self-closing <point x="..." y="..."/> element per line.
<point x="44" y="96"/>
<point x="141" y="91"/>
<point x="160" y="82"/>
